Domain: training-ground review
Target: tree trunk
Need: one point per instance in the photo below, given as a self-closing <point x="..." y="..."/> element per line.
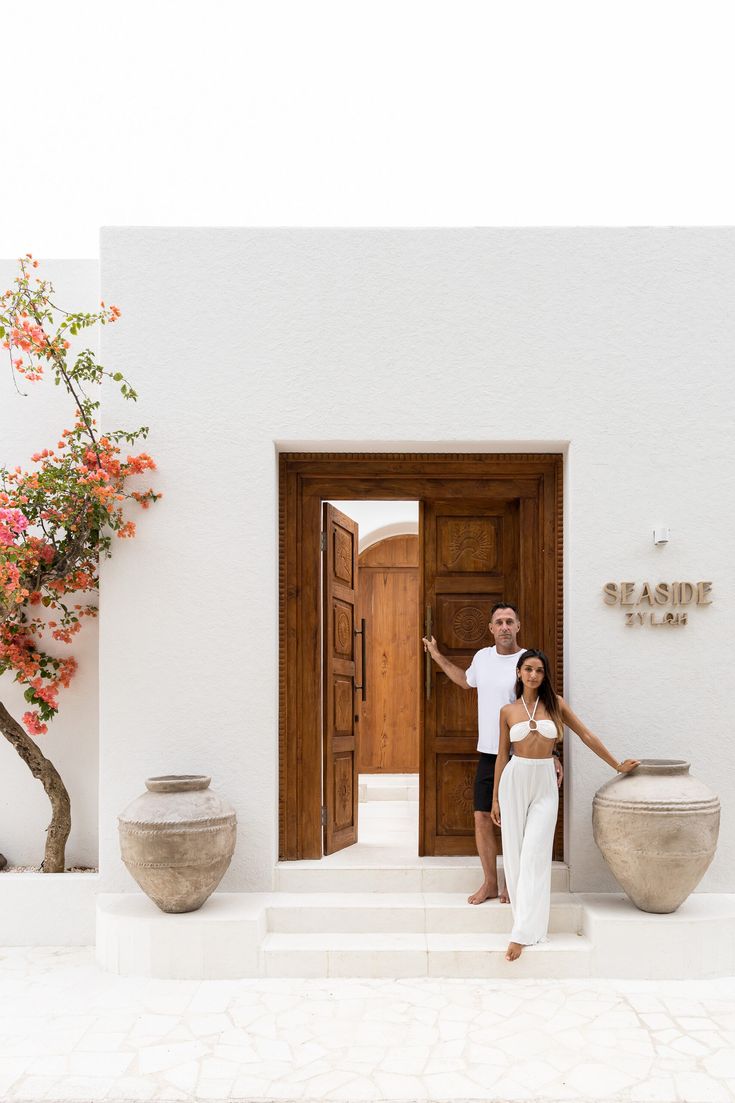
<point x="58" y="830"/>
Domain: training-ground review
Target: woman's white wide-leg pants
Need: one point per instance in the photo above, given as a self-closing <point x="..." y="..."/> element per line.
<point x="529" y="801"/>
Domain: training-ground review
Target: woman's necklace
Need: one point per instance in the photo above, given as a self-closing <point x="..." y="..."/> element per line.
<point x="532" y="725"/>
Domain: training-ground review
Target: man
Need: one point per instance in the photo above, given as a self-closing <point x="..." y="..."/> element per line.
<point x="493" y="674"/>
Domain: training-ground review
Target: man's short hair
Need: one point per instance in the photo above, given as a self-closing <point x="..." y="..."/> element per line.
<point x="504" y="605"/>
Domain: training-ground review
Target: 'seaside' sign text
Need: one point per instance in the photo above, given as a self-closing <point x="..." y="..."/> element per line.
<point x="647" y="598"/>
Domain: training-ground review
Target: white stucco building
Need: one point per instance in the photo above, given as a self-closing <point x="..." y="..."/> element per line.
<point x="611" y="348"/>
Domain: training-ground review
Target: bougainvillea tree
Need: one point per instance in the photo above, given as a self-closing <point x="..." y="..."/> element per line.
<point x="58" y="517"/>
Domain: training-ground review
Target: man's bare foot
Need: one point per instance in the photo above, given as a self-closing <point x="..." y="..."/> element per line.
<point x="514" y="951"/>
<point x="485" y="892"/>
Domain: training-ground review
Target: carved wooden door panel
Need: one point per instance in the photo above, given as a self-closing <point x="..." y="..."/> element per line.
<point x="389" y="604"/>
<point x="339" y="589"/>
<point x="474" y="554"/>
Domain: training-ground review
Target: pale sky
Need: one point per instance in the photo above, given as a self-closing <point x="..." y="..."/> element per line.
<point x="344" y="112"/>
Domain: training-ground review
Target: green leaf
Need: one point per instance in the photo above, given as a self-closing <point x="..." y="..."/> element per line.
<point x="117" y="376"/>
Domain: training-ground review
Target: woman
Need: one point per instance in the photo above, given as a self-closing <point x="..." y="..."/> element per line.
<point x="525" y="795"/>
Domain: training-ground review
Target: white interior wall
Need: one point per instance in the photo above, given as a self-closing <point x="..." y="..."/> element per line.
<point x="619" y="342"/>
<point x="29" y="424"/>
<point x="378" y="520"/>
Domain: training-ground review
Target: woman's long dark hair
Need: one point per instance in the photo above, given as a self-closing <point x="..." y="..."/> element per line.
<point x="546" y="693"/>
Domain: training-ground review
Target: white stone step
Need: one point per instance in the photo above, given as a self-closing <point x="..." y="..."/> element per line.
<point x="219" y="941"/>
<point x="457" y="875"/>
<point x="402" y="954"/>
<point x="392" y="787"/>
<point x="229" y="938"/>
<point x="435" y="913"/>
<point x="405" y="811"/>
<point x="697" y="940"/>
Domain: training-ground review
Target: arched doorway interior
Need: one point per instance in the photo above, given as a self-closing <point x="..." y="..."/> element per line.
<point x="389" y="604"/>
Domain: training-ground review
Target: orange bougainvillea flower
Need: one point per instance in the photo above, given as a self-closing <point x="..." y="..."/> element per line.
<point x="58" y="519"/>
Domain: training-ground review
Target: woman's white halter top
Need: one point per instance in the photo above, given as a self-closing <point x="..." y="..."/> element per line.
<point x="546" y="728"/>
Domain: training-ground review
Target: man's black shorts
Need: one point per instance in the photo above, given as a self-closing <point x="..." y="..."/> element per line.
<point x="484" y="781"/>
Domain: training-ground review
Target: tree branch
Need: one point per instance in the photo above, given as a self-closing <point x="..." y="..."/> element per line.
<point x="58" y="830"/>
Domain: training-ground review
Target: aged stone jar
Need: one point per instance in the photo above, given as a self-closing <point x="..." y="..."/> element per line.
<point x="657" y="829"/>
<point x="177" y="840"/>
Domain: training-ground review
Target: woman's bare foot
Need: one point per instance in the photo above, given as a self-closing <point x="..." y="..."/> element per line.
<point x="504" y="898"/>
<point x="485" y="892"/>
<point x="514" y="951"/>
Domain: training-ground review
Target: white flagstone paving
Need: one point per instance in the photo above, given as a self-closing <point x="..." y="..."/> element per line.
<point x="69" y="1031"/>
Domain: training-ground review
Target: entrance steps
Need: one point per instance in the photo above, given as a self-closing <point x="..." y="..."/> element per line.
<point x="383" y="934"/>
<point x="406" y="954"/>
<point x="378" y="910"/>
<point x="436" y="934"/>
<point x="427" y="913"/>
<point x="347" y="875"/>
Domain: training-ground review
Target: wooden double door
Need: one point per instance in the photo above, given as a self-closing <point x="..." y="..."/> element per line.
<point x="489" y="530"/>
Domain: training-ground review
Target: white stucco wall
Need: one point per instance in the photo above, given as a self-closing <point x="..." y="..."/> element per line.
<point x="615" y="346"/>
<point x="29" y="424"/>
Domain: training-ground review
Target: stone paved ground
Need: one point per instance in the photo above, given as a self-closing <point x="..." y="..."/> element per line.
<point x="69" y="1031"/>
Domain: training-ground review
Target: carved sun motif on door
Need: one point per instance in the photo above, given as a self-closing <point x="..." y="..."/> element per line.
<point x="469" y="540"/>
<point x="462" y="793"/>
<point x="469" y="624"/>
<point x="343" y="795"/>
<point x="343" y="555"/>
<point x="343" y="790"/>
<point x="342" y="631"/>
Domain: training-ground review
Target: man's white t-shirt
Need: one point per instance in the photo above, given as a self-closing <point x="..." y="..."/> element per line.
<point x="494" y="677"/>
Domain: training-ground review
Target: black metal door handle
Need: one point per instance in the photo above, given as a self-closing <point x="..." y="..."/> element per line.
<point x="427" y="657"/>
<point x="362" y="632"/>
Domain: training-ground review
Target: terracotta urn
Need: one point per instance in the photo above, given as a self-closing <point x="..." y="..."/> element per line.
<point x="177" y="840"/>
<point x="657" y="829"/>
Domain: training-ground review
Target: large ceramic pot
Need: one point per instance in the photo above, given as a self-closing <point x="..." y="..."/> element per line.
<point x="177" y="840"/>
<point x="657" y="829"/>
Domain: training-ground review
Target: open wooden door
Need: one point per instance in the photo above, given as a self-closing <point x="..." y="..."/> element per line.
<point x="474" y="553"/>
<point x="339" y="743"/>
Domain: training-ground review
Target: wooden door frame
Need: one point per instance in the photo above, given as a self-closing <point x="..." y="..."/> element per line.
<point x="306" y="479"/>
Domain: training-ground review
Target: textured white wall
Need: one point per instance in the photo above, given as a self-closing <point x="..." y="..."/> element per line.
<point x="28" y="425"/>
<point x="619" y="342"/>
